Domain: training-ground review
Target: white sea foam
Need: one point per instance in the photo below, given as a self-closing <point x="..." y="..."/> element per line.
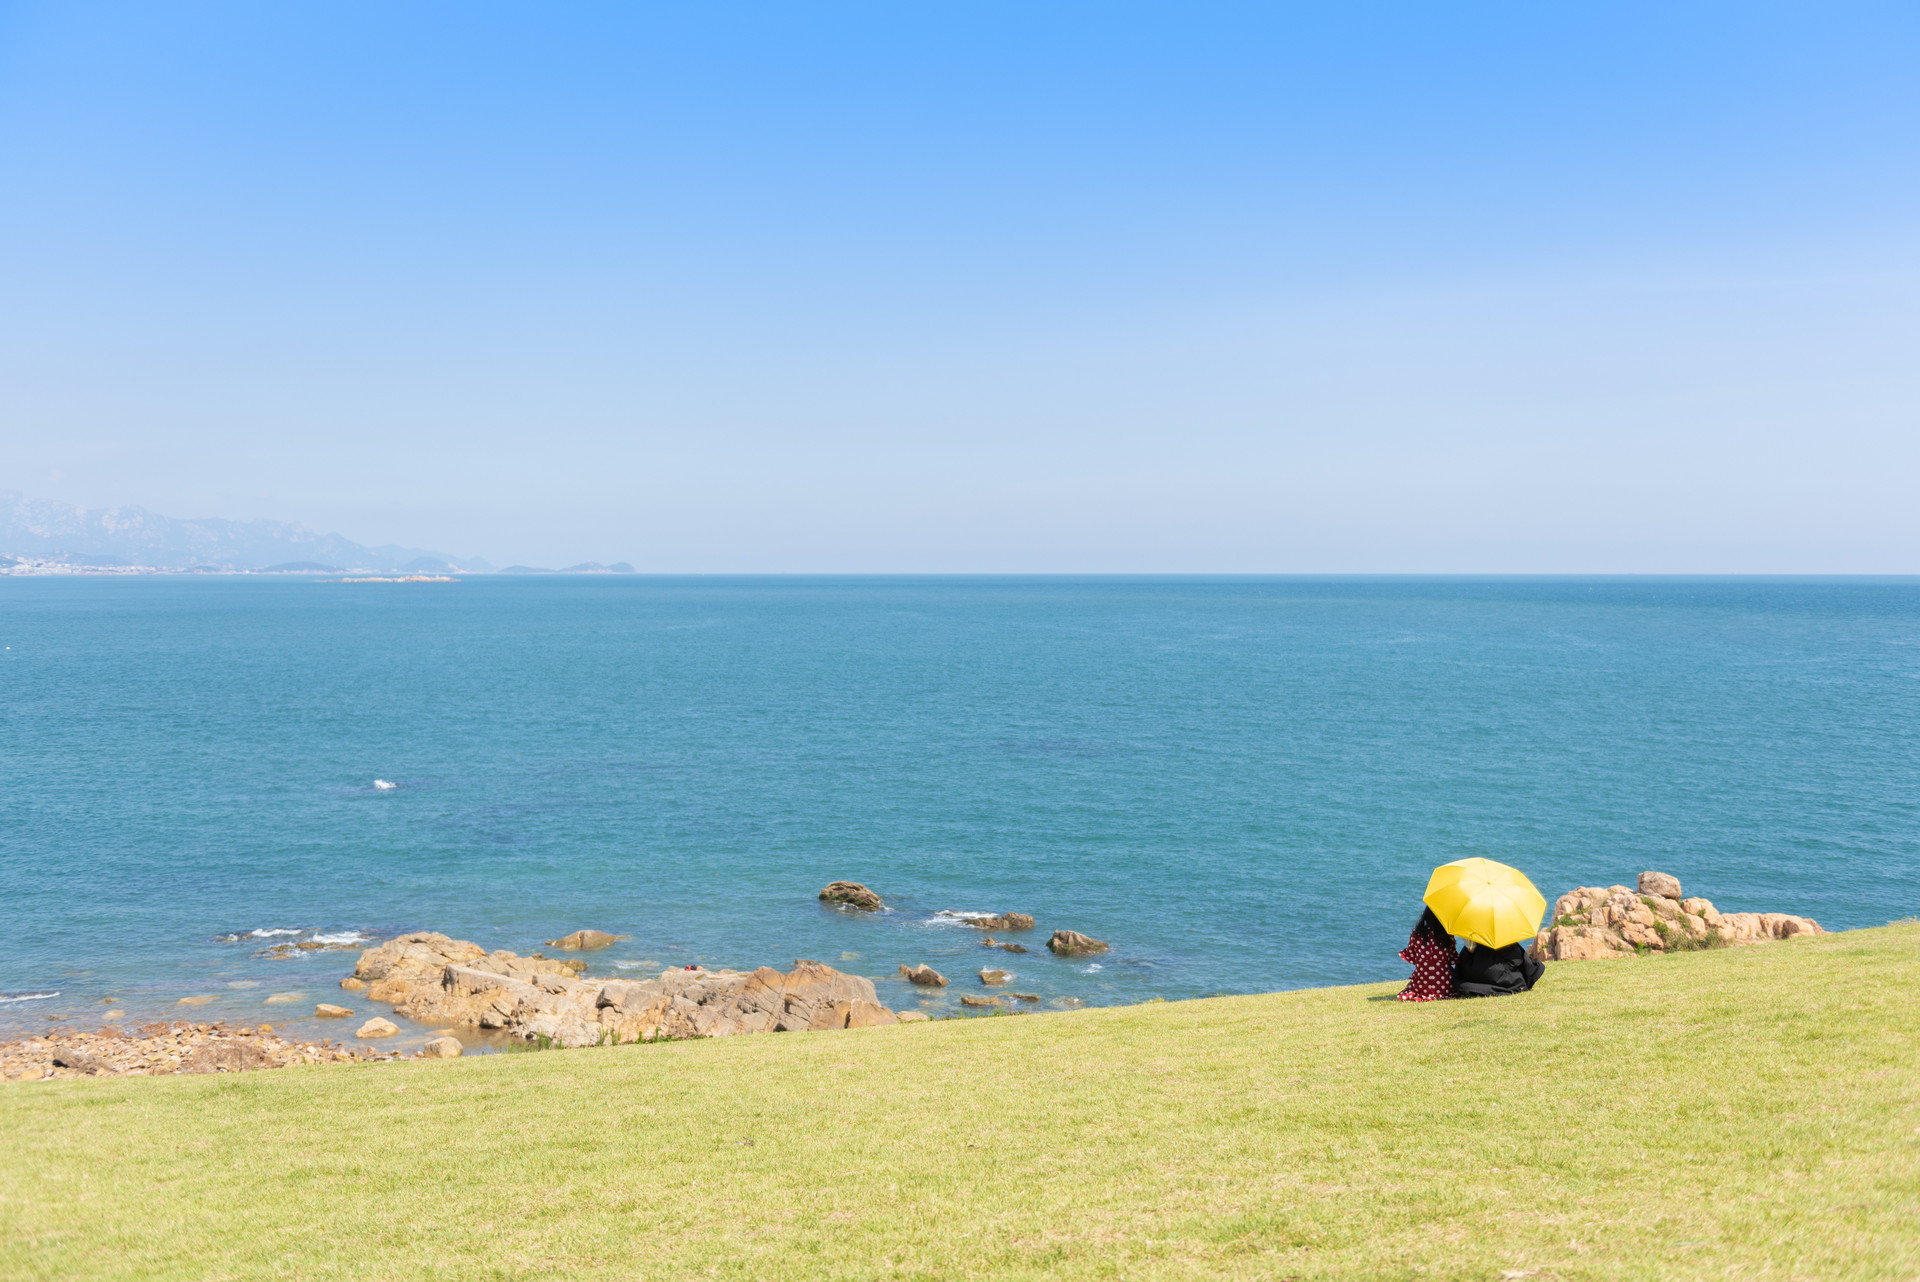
<point x="384" y="785"/>
<point x="954" y="917"/>
<point x="269" y="934"/>
<point x="1093" y="966"/>
<point x="344" y="937"/>
<point x="26" y="997"/>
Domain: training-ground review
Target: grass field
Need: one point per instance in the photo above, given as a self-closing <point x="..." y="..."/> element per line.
<point x="1746" y="1113"/>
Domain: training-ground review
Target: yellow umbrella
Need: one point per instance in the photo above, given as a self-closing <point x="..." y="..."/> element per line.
<point x="1486" y="902"/>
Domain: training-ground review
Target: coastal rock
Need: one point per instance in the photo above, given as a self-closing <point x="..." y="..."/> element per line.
<point x="1591" y="922"/>
<point x="992" y="977"/>
<point x="988" y="921"/>
<point x="79" y="1061"/>
<point x="165" y="1048"/>
<point x="275" y="999"/>
<point x="354" y="985"/>
<point x="1025" y="997"/>
<point x="418" y="958"/>
<point x="390" y="990"/>
<point x="924" y="975"/>
<point x="1071" y="943"/>
<point x="377" y="1027"/>
<point x="991" y="942"/>
<point x="581" y="941"/>
<point x="913" y="1017"/>
<point x="853" y="895"/>
<point x="442" y="1048"/>
<point x="325" y="1011"/>
<point x="550" y="1007"/>
<point x="1659" y="885"/>
<point x="235" y="1056"/>
<point x="971" y="1000"/>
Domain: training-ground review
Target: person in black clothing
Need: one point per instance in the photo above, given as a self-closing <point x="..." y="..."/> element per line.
<point x="1480" y="971"/>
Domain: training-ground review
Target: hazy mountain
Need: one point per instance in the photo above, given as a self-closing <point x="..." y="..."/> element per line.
<point x="135" y="536"/>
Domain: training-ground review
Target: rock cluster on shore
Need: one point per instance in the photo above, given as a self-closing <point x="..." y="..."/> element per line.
<point x="1590" y="923"/>
<point x="433" y="979"/>
<point x="159" y="1049"/>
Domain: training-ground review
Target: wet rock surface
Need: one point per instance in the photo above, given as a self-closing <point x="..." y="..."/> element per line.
<point x="583" y="941"/>
<point x="1071" y="943"/>
<point x="989" y="921"/>
<point x="1592" y="923"/>
<point x="853" y="895"/>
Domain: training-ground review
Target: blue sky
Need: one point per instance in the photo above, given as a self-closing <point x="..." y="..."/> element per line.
<point x="978" y="287"/>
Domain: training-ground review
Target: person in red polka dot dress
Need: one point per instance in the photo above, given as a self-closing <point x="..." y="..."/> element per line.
<point x="1430" y="952"/>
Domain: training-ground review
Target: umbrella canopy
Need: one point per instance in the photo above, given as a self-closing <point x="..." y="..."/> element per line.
<point x="1486" y="902"/>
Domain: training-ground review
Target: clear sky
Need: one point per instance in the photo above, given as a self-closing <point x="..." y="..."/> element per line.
<point x="978" y="286"/>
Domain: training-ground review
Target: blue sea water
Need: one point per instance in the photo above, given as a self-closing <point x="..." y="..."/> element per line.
<point x="1241" y="783"/>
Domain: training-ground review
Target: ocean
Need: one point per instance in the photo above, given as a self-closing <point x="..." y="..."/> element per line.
<point x="1240" y="783"/>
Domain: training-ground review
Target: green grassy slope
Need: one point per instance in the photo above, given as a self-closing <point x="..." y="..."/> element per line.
<point x="1750" y="1112"/>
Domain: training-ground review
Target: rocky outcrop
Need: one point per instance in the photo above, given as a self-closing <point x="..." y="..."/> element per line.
<point x="582" y="941"/>
<point x="993" y="978"/>
<point x="924" y="975"/>
<point x="851" y="894"/>
<point x="970" y="1000"/>
<point x="378" y="1027"/>
<point x="1071" y="943"/>
<point x="166" y="1048"/>
<point x="1591" y="923"/>
<point x="991" y="942"/>
<point x="549" y="1004"/>
<point x="326" y="1010"/>
<point x="987" y="921"/>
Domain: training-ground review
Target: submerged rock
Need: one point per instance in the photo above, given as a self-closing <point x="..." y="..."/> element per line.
<point x="581" y="941"/>
<point x="988" y="921"/>
<point x="327" y="1011"/>
<point x="853" y="895"/>
<point x="991" y="942"/>
<point x="1071" y="943"/>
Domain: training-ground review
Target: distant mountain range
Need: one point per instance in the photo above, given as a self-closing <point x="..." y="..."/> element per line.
<point x="132" y="536"/>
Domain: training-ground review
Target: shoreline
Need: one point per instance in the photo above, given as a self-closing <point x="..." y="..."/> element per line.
<point x="183" y="1046"/>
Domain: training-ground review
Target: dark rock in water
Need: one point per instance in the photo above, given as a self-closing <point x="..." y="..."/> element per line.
<point x="924" y="975"/>
<point x="995" y="921"/>
<point x="991" y="942"/>
<point x="581" y="941"/>
<point x="979" y="1001"/>
<point x="853" y="895"/>
<point x="1071" y="943"/>
<point x="1025" y="997"/>
<point x="993" y="977"/>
